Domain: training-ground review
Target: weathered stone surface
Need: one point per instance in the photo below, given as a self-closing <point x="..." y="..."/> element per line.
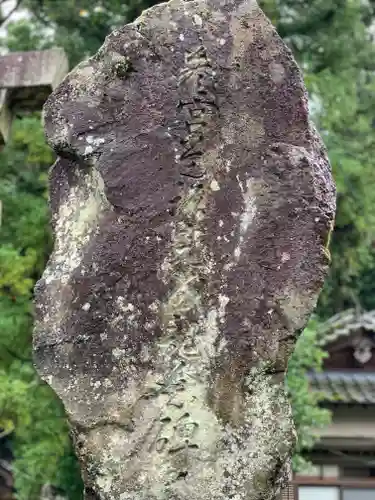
<point x="26" y="80"/>
<point x="192" y="202"/>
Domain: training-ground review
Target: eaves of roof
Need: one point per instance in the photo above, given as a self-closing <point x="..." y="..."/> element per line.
<point x="341" y="387"/>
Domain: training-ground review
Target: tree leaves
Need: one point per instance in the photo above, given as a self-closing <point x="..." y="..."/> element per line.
<point x="28" y="407"/>
<point x="307" y="413"/>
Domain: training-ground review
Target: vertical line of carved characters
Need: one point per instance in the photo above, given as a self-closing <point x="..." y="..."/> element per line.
<point x="177" y="429"/>
<point x="196" y="107"/>
<point x="185" y="430"/>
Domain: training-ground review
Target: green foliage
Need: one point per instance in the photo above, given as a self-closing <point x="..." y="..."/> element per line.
<point x="25" y="35"/>
<point x="42" y="440"/>
<point x="308" y="416"/>
<point x="28" y="408"/>
<point x="25" y="239"/>
<point x="81" y="27"/>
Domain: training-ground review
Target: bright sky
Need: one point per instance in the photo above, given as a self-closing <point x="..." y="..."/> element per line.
<point x="6" y="7"/>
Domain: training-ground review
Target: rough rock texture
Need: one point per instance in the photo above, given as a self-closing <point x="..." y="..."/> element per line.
<point x="192" y="203"/>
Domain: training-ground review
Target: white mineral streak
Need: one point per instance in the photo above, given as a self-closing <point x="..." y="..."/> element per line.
<point x="198" y="20"/>
<point x="248" y="214"/>
<point x="76" y="222"/>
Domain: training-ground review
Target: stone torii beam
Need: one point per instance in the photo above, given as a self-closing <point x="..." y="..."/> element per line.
<point x="26" y="80"/>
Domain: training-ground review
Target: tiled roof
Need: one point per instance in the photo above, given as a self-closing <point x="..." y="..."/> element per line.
<point x="345" y="387"/>
<point x="345" y="323"/>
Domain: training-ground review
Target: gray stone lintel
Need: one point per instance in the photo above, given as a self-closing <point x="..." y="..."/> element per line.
<point x="26" y="80"/>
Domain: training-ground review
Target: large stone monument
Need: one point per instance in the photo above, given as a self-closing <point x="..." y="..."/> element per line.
<point x="192" y="204"/>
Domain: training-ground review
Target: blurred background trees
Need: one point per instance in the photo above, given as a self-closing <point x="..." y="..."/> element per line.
<point x="333" y="43"/>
